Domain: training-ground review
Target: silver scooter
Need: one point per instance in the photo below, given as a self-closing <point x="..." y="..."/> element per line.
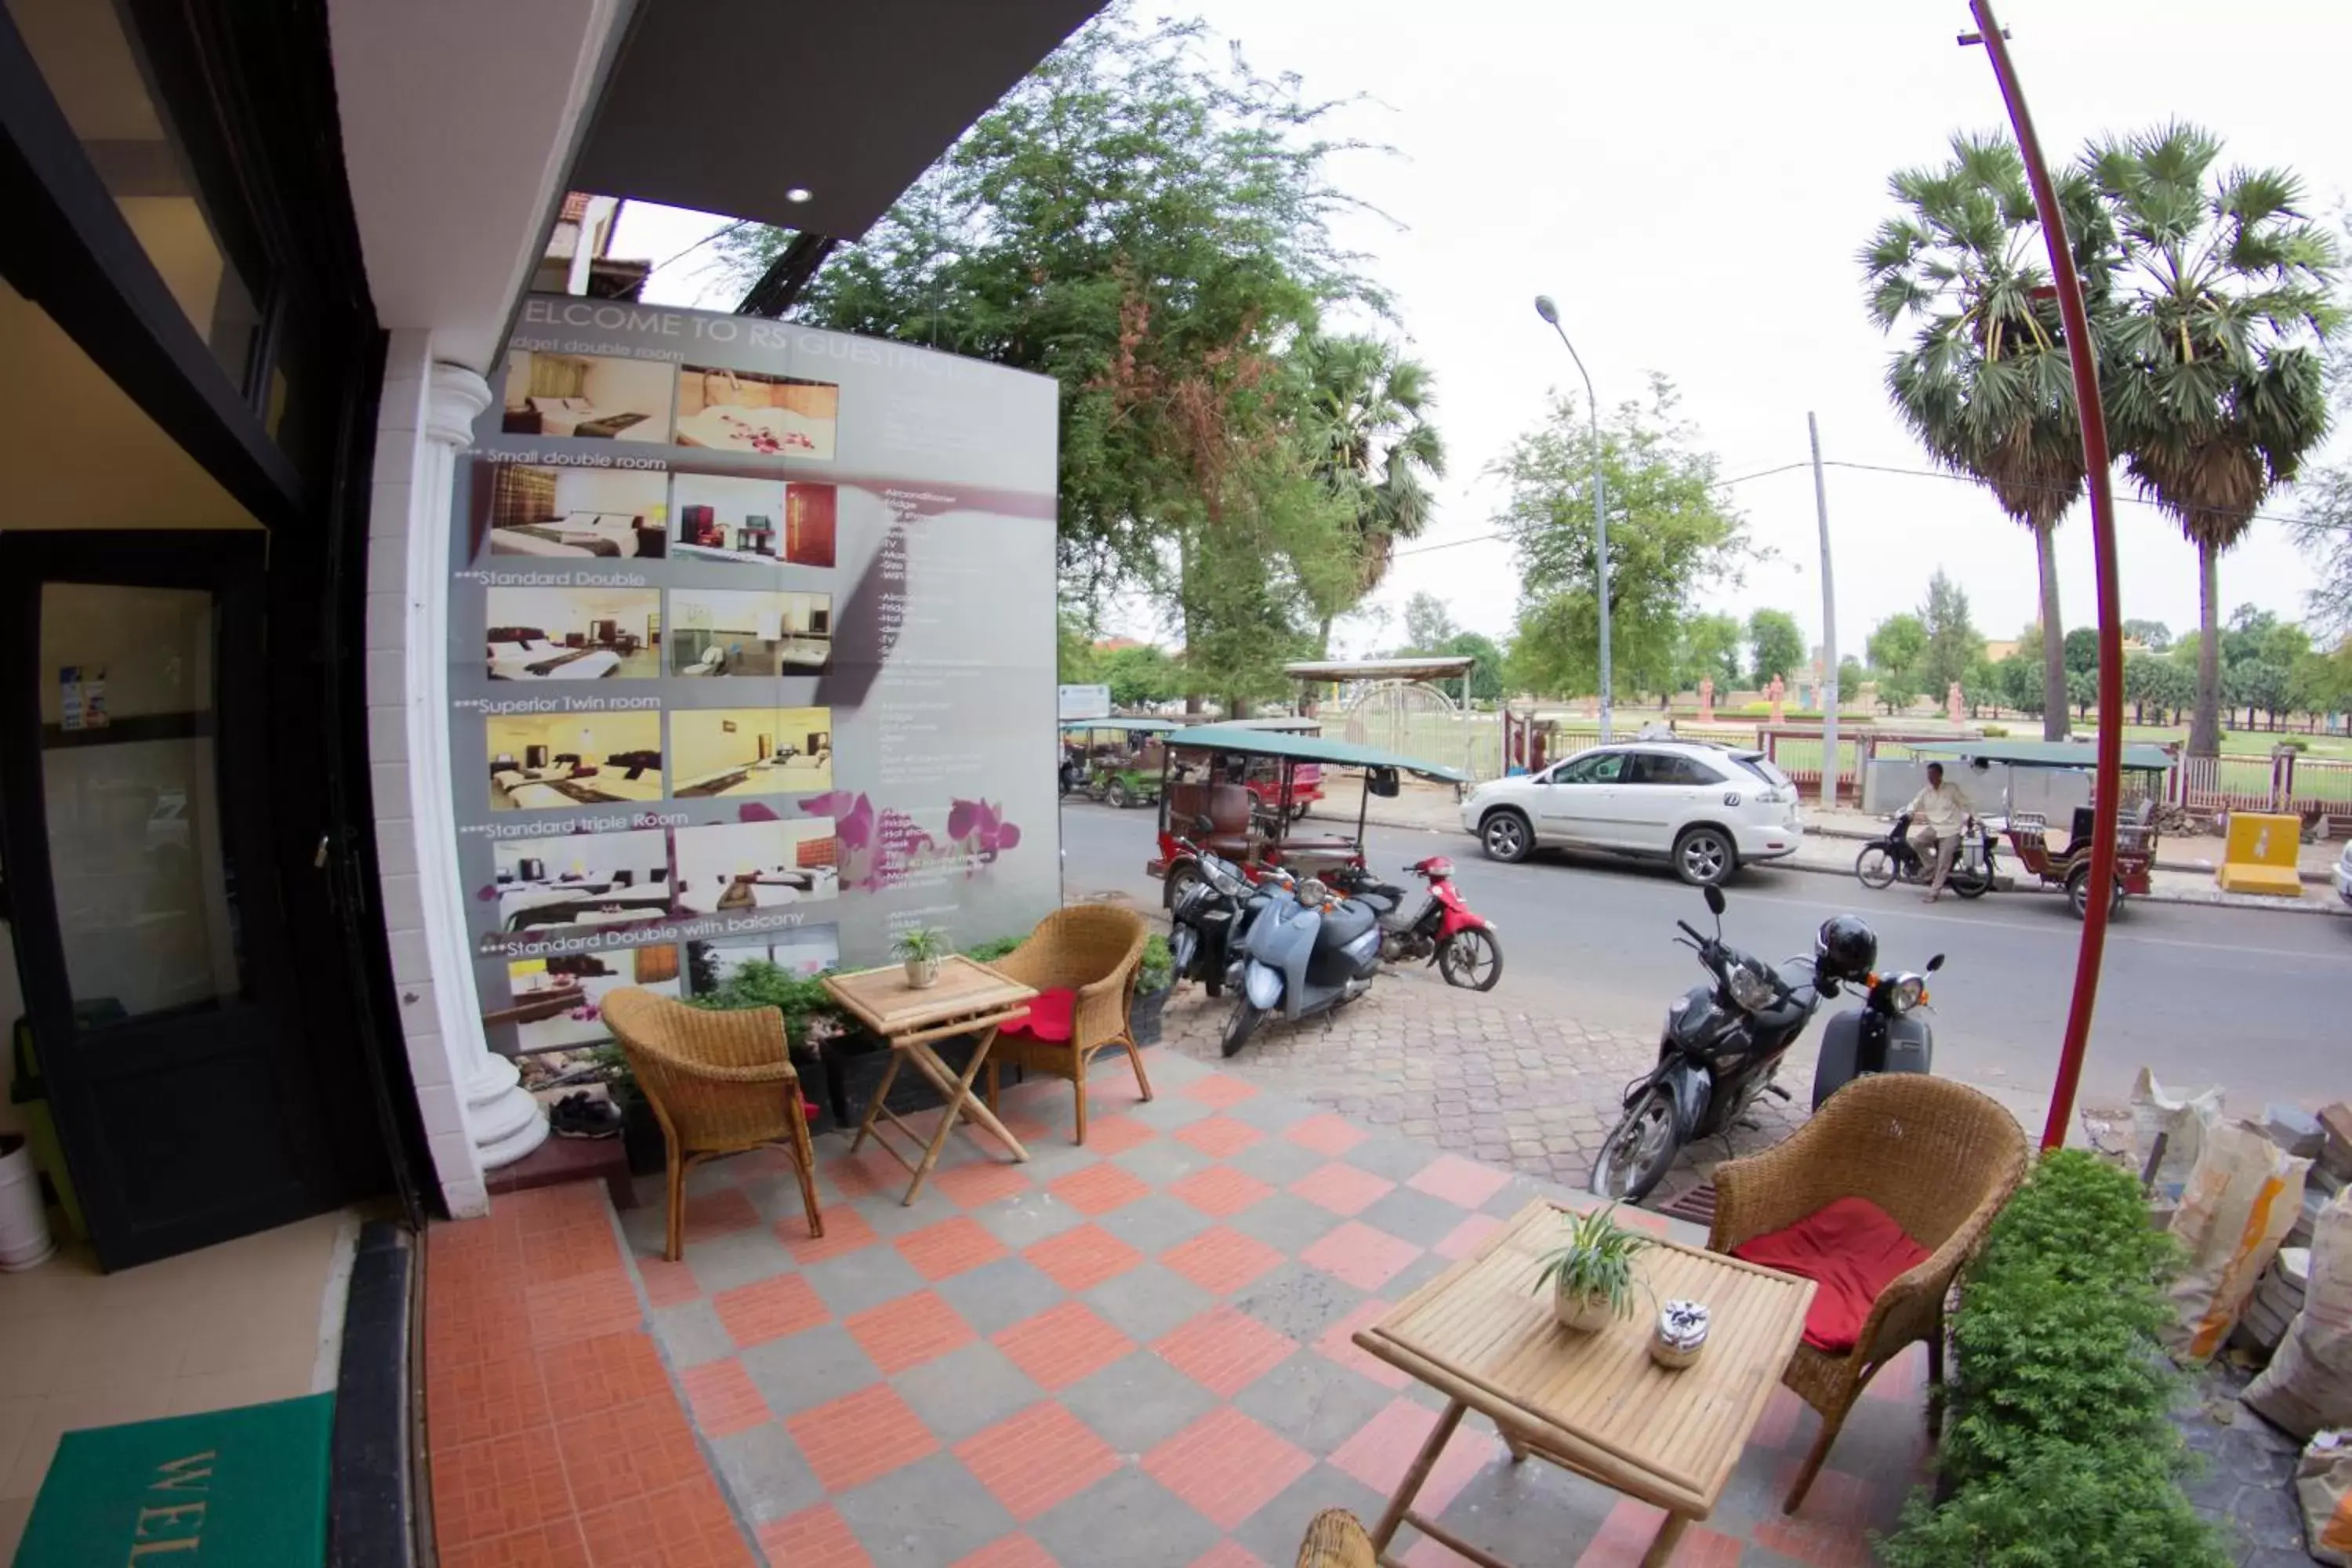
<point x="1306" y="951"/>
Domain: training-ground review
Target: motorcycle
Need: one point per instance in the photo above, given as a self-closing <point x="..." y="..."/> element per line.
<point x="1885" y="1034"/>
<point x="1721" y="1046"/>
<point x="1211" y="911"/>
<point x="1442" y="931"/>
<point x="1884" y="861"/>
<point x="1304" y="951"/>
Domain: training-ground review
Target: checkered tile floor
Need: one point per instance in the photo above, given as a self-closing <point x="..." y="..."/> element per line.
<point x="1136" y="1352"/>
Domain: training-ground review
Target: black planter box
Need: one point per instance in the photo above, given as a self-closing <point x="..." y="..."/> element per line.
<point x="855" y="1062"/>
<point x="816" y="1088"/>
<point x="641" y="1136"/>
<point x="1143" y="1015"/>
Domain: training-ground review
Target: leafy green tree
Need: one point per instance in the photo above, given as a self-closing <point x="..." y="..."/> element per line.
<point x="1851" y="675"/>
<point x="1898" y="690"/>
<point x="1486" y="675"/>
<point x="2022" y="686"/>
<point x="1981" y="686"/>
<point x="2081" y="650"/>
<point x="2258" y="684"/>
<point x="2324" y="528"/>
<point x="1985" y="382"/>
<point x="2142" y="683"/>
<point x="2323" y="681"/>
<point x="1370" y="422"/>
<point x="2153" y="636"/>
<point x="1953" y="642"/>
<point x="1775" y="645"/>
<point x="1711" y="645"/>
<point x="1074" y="647"/>
<point x="1897" y="644"/>
<point x="2082" y="691"/>
<point x="1428" y="623"/>
<point x="1672" y="535"/>
<point x="2213" y="377"/>
<point x="1140" y="675"/>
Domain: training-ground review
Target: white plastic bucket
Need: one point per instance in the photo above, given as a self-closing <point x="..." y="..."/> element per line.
<point x="24" y="1225"/>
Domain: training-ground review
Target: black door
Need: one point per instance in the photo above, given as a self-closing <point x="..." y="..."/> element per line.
<point x="144" y="891"/>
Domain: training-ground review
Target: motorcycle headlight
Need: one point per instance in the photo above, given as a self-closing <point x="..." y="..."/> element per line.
<point x="1905" y="994"/>
<point x="1313" y="894"/>
<point x="1749" y="988"/>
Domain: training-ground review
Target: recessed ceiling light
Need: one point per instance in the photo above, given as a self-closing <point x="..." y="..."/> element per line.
<point x="798" y="194"/>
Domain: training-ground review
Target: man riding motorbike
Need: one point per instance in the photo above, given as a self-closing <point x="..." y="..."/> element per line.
<point x="1940" y="814"/>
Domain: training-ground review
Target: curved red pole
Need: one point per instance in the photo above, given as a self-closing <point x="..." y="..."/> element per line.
<point x="2107" y="796"/>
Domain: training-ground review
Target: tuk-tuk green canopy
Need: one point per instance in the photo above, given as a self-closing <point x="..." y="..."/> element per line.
<point x="1235" y="741"/>
<point x="2137" y="756"/>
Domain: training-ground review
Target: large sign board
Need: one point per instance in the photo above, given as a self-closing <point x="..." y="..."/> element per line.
<point x="752" y="657"/>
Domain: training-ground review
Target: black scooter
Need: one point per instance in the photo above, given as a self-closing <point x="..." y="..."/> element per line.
<point x="1892" y="858"/>
<point x="1720" y="1047"/>
<point x="1211" y="911"/>
<point x="1886" y="1034"/>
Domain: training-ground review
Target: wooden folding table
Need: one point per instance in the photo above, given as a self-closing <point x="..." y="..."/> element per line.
<point x="969" y="998"/>
<point x="1592" y="1403"/>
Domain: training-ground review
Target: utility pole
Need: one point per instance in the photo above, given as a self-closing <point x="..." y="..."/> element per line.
<point x="1550" y="313"/>
<point x="1829" y="633"/>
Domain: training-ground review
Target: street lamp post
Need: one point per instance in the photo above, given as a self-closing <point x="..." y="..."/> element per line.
<point x="1550" y="312"/>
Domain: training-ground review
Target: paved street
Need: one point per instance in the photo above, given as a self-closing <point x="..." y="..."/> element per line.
<point x="2254" y="1001"/>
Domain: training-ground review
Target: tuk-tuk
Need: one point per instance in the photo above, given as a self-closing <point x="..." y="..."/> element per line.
<point x="2067" y="863"/>
<point x="1115" y="760"/>
<point x="1287" y="798"/>
<point x="1205" y="799"/>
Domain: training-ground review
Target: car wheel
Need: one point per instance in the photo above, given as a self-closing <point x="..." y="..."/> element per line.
<point x="1115" y="794"/>
<point x="1505" y="837"/>
<point x="1704" y="856"/>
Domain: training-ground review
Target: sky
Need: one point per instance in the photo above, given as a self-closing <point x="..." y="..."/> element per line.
<point x="1691" y="182"/>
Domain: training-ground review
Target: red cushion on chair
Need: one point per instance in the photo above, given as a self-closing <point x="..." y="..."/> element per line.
<point x="1852" y="1249"/>
<point x="1049" y="1021"/>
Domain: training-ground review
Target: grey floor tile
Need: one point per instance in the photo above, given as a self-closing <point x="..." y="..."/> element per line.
<point x="855" y="1281"/>
<point x="1286" y="1221"/>
<point x="1152" y="1224"/>
<point x="1529" y="1512"/>
<point x="647" y="1225"/>
<point x="1171" y="1111"/>
<point x="1513" y="1195"/>
<point x="1275" y="1531"/>
<point x="1137" y="1401"/>
<point x="926" y="1515"/>
<point x="1276" y="1162"/>
<point x="891" y="1218"/>
<point x="805" y="1370"/>
<point x="712" y="1176"/>
<point x="1397" y="1159"/>
<point x="739" y="1257"/>
<point x="1297" y="1301"/>
<point x="967" y="1390"/>
<point x="692" y="1334"/>
<point x="765" y="1474"/>
<point x="1147" y="1301"/>
<point x="777" y="1197"/>
<point x="1021" y="1223"/>
<point x="1415" y="1217"/>
<point x="1129" y="1519"/>
<point x="998" y="1295"/>
<point x="1172" y="1068"/>
<point x="1415" y="1275"/>
<point x="1162" y="1161"/>
<point x="1314" y="1401"/>
<point x="1271" y="1111"/>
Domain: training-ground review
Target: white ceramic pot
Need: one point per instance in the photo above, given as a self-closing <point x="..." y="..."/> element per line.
<point x="1580" y="1313"/>
<point x="922" y="972"/>
<point x="24" y="1225"/>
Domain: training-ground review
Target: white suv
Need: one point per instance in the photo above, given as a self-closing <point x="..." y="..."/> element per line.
<point x="1708" y="810"/>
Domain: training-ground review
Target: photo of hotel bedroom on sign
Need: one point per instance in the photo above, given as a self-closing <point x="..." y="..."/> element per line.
<point x="741" y="867"/>
<point x="738" y="411"/>
<point x="542" y="760"/>
<point x="581" y="879"/>
<point x="727" y="631"/>
<point x="559" y="1001"/>
<point x="594" y="397"/>
<point x="570" y="513"/>
<point x="750" y="751"/>
<point x="754" y="521"/>
<point x="574" y="634"/>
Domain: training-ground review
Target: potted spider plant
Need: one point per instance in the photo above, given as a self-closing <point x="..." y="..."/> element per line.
<point x="1590" y="1275"/>
<point x="921" y="949"/>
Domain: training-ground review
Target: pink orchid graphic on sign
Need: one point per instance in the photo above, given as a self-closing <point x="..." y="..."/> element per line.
<point x="980" y="829"/>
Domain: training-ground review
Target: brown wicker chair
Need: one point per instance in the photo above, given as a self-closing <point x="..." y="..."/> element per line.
<point x="719" y="1083"/>
<point x="1336" y="1539"/>
<point x="1939" y="1158"/>
<point x="1095" y="950"/>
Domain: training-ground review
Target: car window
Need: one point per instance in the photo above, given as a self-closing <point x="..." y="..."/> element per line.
<point x="1757" y="762"/>
<point x="1605" y="768"/>
<point x="1647" y="768"/>
<point x="1694" y="771"/>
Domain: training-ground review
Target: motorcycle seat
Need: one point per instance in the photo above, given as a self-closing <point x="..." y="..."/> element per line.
<point x="1343" y="925"/>
<point x="1797" y="975"/>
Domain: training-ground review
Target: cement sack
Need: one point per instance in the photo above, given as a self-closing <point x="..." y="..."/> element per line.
<point x="2308" y="1383"/>
<point x="2241" y="1197"/>
<point x="2323" y="1484"/>
<point x="2182" y="1119"/>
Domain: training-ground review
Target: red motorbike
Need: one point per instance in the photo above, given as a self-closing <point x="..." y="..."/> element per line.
<point x="1443" y="931"/>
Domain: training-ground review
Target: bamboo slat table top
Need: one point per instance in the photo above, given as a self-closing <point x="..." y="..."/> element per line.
<point x="1596" y="1402"/>
<point x="967" y="989"/>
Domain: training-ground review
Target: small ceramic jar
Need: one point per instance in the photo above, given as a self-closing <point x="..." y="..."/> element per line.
<point x="1680" y="1335"/>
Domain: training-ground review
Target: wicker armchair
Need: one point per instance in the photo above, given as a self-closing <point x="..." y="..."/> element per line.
<point x="719" y="1083"/>
<point x="1336" y="1539"/>
<point x="1094" y="950"/>
<point x="1939" y="1158"/>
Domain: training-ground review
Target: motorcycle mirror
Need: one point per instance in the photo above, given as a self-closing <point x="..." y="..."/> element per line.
<point x="1383" y="784"/>
<point x="1935" y="964"/>
<point x="1713" y="896"/>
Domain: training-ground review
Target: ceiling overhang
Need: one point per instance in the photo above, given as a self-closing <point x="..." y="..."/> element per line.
<point x="724" y="106"/>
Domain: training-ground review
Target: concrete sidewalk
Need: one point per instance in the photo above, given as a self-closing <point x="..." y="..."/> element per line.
<point x="2183" y="873"/>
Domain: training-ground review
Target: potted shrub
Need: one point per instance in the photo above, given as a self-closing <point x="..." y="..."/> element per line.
<point x="1152" y="980"/>
<point x="1591" y="1275"/>
<point x="921" y="949"/>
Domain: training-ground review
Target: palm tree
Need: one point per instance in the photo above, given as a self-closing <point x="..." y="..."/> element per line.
<point x="1985" y="385"/>
<point x="1372" y="439"/>
<point x="2212" y="370"/>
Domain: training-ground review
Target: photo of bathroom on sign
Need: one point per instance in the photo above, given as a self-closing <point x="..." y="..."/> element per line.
<point x="724" y="631"/>
<point x="750" y="751"/>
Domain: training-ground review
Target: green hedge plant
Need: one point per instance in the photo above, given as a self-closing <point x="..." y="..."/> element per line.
<point x="2058" y="1451"/>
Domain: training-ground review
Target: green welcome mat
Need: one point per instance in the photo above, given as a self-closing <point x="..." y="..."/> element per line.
<point x="245" y="1487"/>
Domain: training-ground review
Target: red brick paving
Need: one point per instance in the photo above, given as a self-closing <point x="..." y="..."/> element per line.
<point x="814" y="1538"/>
<point x="1043" y="1456"/>
<point x="1083" y="1257"/>
<point x="949" y="1248"/>
<point x="987" y="1182"/>
<point x="1219" y="1137"/>
<point x="712" y="1215"/>
<point x="1363" y="1257"/>
<point x="1338" y="1342"/>
<point x="1222" y="1260"/>
<point x="1225" y="1351"/>
<point x="1220" y="1090"/>
<point x="1226" y="1466"/>
<point x="1627" y="1534"/>
<point x="1220" y="1191"/>
<point x="1465" y="1238"/>
<point x="845" y="1231"/>
<point x="724" y="1399"/>
<point x="908" y="1331"/>
<point x="1460" y="1181"/>
<point x="1383" y="1448"/>
<point x="855" y="1438"/>
<point x="1109" y="1136"/>
<point x="1099" y="1189"/>
<point x="1060" y="1346"/>
<point x="1328" y="1135"/>
<point x="1341" y="1188"/>
<point x="769" y="1309"/>
<point x="1012" y="1552"/>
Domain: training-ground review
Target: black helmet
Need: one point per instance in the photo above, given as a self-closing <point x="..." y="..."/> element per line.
<point x="1845" y="947"/>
